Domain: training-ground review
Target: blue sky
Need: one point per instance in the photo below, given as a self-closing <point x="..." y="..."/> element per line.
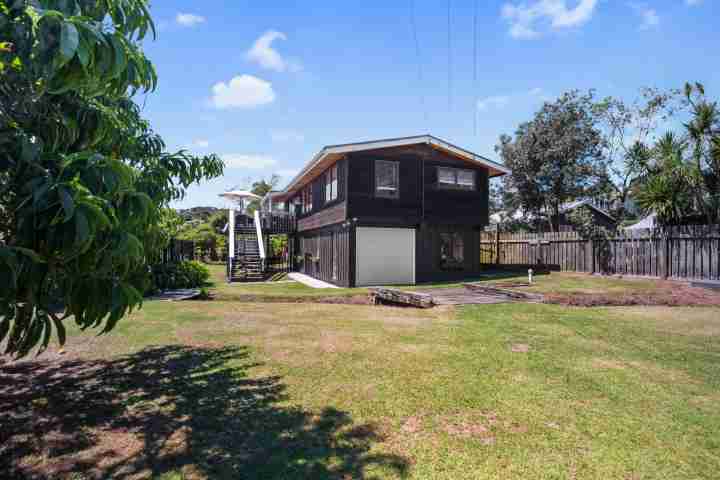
<point x="267" y="84"/>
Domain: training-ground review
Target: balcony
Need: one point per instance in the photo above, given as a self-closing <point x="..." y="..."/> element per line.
<point x="278" y="223"/>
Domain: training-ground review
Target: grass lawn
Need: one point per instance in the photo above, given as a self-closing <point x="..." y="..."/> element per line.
<point x="227" y="389"/>
<point x="287" y="288"/>
<point x="555" y="283"/>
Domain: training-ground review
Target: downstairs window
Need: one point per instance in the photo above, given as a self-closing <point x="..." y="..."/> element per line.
<point x="452" y="251"/>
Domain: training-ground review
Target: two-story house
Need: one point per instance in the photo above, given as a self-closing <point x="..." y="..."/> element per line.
<point x="395" y="211"/>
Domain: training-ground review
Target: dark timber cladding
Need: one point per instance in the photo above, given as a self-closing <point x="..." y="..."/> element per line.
<point x="341" y="191"/>
<point x="428" y="262"/>
<point x="325" y="254"/>
<point x="418" y="166"/>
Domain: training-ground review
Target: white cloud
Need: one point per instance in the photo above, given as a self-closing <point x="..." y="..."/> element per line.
<point x="536" y="92"/>
<point x="243" y="91"/>
<point x="201" y="143"/>
<point x="266" y="56"/>
<point x="527" y="20"/>
<point x="189" y="19"/>
<point x="255" y="162"/>
<point x="648" y="16"/>
<point x="283" y="136"/>
<point x="692" y="3"/>
<point x="500" y="101"/>
<point x="497" y="101"/>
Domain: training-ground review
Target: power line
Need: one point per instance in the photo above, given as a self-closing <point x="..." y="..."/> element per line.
<point x="449" y="39"/>
<point x="419" y="61"/>
<point x="475" y="49"/>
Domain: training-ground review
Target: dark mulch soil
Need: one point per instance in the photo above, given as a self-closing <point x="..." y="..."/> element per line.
<point x="670" y="294"/>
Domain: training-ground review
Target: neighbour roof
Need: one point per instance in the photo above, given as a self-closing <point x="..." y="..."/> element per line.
<point x="565" y="207"/>
<point x="579" y="203"/>
<point x="648" y="222"/>
<point x="331" y="153"/>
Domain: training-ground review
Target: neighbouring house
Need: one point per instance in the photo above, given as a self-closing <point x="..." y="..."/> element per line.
<point x="648" y="222"/>
<point x="562" y="222"/>
<point x="394" y="211"/>
<point x="600" y="216"/>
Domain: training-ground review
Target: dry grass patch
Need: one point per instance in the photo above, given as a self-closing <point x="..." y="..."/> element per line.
<point x="701" y="322"/>
<point x="520" y="348"/>
<point x="607" y="364"/>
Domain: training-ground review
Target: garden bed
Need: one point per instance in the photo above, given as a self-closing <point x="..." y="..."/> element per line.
<point x="671" y="294"/>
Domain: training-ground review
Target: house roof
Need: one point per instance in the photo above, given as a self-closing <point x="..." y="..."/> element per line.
<point x="566" y="207"/>
<point x="332" y="153"/>
<point x="648" y="222"/>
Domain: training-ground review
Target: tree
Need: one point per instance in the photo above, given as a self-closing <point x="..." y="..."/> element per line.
<point x="703" y="132"/>
<point x="261" y="188"/>
<point x="84" y="181"/>
<point x="627" y="131"/>
<point x="556" y="157"/>
<point x="682" y="172"/>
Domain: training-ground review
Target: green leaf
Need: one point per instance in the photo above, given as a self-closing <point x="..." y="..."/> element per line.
<point x="69" y="40"/>
<point x="120" y="57"/>
<point x="82" y="228"/>
<point x="67" y="202"/>
<point x="84" y="52"/>
<point x="32" y="254"/>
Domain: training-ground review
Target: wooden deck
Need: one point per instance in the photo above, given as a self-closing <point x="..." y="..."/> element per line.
<point x="464" y="296"/>
<point x="469" y="294"/>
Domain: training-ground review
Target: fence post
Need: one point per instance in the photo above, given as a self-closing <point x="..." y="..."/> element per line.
<point x="665" y="248"/>
<point x="497" y="245"/>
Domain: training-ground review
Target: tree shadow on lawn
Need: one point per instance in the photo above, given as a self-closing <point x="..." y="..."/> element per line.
<point x="182" y="411"/>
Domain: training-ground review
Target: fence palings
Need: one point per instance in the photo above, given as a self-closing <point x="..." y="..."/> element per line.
<point x="685" y="252"/>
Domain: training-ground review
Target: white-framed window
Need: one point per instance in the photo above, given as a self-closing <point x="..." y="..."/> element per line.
<point x="331" y="184"/>
<point x="456" y="178"/>
<point x="387" y="179"/>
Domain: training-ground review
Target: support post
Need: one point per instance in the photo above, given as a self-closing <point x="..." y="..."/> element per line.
<point x="231" y="233"/>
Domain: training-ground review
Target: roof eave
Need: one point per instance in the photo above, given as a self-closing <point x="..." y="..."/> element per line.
<point x="496" y="169"/>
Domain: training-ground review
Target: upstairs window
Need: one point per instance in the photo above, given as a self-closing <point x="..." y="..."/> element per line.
<point x="456" y="178"/>
<point x="331" y="184"/>
<point x="387" y="182"/>
<point x="307" y="199"/>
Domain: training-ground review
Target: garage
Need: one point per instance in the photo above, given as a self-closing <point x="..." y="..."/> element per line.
<point x="384" y="256"/>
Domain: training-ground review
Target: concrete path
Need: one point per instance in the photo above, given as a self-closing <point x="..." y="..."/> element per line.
<point x="309" y="281"/>
<point x="175" y="295"/>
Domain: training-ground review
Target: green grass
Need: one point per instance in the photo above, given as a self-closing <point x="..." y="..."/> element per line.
<point x="286" y="288"/>
<point x="227" y="389"/>
<point x="545" y="283"/>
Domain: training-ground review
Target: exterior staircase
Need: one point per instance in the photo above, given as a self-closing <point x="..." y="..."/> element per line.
<point x="251" y="262"/>
<point x="247" y="265"/>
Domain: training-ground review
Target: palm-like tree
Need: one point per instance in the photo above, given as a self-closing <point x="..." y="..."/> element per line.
<point x="681" y="174"/>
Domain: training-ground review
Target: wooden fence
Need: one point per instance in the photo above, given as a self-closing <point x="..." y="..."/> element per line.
<point x="688" y="252"/>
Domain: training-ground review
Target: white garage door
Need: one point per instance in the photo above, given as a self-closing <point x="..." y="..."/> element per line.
<point x="384" y="256"/>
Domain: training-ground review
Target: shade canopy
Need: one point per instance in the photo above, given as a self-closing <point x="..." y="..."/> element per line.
<point x="239" y="195"/>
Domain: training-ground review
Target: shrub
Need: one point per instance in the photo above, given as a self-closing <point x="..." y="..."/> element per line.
<point x="184" y="274"/>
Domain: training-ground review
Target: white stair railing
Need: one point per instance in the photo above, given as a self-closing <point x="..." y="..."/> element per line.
<point x="258" y="230"/>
